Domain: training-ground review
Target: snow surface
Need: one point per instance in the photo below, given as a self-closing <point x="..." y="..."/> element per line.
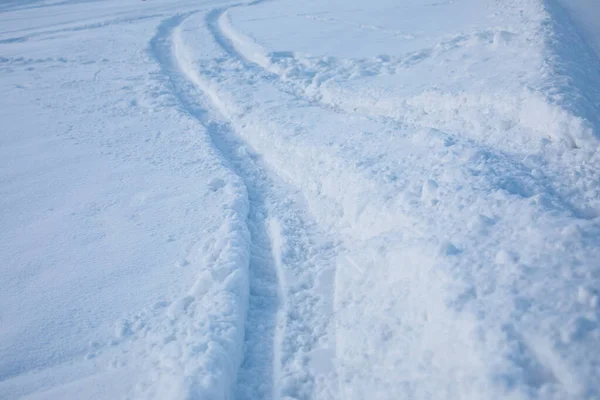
<point x="300" y="199"/>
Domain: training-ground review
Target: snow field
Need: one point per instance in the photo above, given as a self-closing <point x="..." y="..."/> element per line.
<point x="290" y="200"/>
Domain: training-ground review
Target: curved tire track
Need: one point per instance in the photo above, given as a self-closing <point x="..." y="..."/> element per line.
<point x="286" y="320"/>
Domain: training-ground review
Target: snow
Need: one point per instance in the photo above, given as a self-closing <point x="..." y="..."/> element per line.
<point x="584" y="15"/>
<point x="297" y="200"/>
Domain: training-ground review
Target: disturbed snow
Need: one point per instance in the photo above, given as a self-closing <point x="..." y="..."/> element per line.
<point x="294" y="200"/>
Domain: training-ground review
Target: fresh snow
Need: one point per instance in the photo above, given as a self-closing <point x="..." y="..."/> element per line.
<point x="209" y="199"/>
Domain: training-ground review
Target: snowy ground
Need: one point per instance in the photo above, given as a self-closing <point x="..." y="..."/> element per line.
<point x="208" y="199"/>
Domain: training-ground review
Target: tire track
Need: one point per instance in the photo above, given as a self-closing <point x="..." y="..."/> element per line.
<point x="289" y="258"/>
<point x="264" y="300"/>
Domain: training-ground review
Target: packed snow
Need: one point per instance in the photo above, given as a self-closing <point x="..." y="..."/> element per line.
<point x="284" y="199"/>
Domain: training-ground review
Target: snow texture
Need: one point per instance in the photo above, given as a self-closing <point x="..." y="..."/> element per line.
<point x="300" y="199"/>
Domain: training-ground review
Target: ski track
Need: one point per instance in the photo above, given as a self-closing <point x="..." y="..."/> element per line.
<point x="286" y="319"/>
